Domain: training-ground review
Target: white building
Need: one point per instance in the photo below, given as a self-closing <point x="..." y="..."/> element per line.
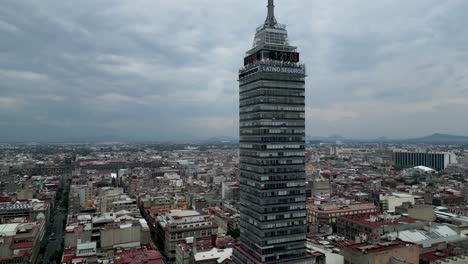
<point x="389" y="202"/>
<point x="215" y="254"/>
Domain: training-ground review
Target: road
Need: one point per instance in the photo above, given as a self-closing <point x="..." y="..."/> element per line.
<point x="56" y="243"/>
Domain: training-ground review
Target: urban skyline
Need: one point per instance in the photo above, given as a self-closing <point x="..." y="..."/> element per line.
<point x="119" y="143"/>
<point x="141" y="72"/>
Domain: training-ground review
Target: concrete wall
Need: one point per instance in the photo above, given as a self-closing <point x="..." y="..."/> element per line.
<point x="410" y="254"/>
<point x="112" y="237"/>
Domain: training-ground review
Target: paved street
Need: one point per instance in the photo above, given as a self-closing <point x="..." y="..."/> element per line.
<point x="57" y="228"/>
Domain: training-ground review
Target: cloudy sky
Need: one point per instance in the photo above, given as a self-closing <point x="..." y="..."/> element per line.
<point x="166" y="69"/>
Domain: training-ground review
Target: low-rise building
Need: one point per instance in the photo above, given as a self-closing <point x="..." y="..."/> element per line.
<point x="328" y="213"/>
<point x="230" y="191"/>
<point x="430" y="237"/>
<point x="362" y="228"/>
<point x="418" y="211"/>
<point x="177" y="225"/>
<point x="388" y="202"/>
<point x="76" y="233"/>
<point x="381" y="253"/>
<point x="225" y="220"/>
<point x="20" y="240"/>
<point x="138" y="256"/>
<point x="125" y="234"/>
<point x="448" y="199"/>
<point x="214" y="256"/>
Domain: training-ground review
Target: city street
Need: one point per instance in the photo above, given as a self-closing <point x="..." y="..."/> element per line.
<point x="55" y="243"/>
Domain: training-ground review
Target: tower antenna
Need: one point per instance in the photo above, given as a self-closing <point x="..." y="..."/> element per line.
<point x="271" y="20"/>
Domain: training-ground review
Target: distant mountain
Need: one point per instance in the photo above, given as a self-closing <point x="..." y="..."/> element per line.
<point x="329" y="139"/>
<point x="96" y="139"/>
<point x="439" y="139"/>
<point x="432" y="139"/>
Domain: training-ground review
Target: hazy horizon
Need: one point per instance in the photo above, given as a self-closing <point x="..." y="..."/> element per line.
<point x="167" y="70"/>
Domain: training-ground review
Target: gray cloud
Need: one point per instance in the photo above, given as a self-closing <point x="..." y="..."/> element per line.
<point x="168" y="69"/>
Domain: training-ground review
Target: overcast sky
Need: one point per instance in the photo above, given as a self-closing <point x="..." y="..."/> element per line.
<point x="167" y="69"/>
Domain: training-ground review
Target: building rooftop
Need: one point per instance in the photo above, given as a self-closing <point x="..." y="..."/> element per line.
<point x="436" y="255"/>
<point x="430" y="235"/>
<point x="379" y="247"/>
<point x="380" y="220"/>
<point x="219" y="254"/>
<point x="138" y="256"/>
<point x="8" y="229"/>
<point x="175" y="214"/>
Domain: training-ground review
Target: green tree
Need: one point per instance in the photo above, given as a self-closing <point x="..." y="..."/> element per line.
<point x="56" y="256"/>
<point x="235" y="233"/>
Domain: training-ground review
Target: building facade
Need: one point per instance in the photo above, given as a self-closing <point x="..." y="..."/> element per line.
<point x="383" y="252"/>
<point x="272" y="139"/>
<point x="437" y="161"/>
<point x="365" y="227"/>
<point x="327" y="214"/>
<point x="176" y="226"/>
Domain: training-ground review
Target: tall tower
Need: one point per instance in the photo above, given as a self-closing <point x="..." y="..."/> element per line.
<point x="272" y="139"/>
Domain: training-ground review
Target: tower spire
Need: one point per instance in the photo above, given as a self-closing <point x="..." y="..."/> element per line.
<point x="271" y="20"/>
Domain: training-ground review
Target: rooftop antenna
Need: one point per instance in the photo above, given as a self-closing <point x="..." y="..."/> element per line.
<point x="271" y="20"/>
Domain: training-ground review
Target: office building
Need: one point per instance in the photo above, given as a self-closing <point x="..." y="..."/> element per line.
<point x="272" y="139"/>
<point x="434" y="160"/>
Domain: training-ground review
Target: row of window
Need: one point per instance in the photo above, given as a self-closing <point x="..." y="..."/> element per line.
<point x="277" y="139"/>
<point x="273" y="186"/>
<point x="282" y="224"/>
<point x="272" y="123"/>
<point x="196" y="233"/>
<point x="285" y="239"/>
<point x="288" y="177"/>
<point x="249" y="200"/>
<point x="272" y="250"/>
<point x="274" y="162"/>
<point x="273" y="100"/>
<point x="272" y="92"/>
<point x="282" y="83"/>
<point x="283" y="80"/>
<point x="272" y="154"/>
<point x="273" y="147"/>
<point x="279" y="108"/>
<point x="263" y="194"/>
<point x="272" y="131"/>
<point x="272" y="170"/>
<point x="272" y="116"/>
<point x="248" y="86"/>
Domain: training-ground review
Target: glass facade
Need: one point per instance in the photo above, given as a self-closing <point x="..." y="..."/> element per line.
<point x="272" y="139"/>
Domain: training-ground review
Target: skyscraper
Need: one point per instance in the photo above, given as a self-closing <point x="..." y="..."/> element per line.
<point x="272" y="138"/>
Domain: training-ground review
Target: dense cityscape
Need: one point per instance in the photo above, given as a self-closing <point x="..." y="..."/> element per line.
<point x="275" y="195"/>
<point x="151" y="203"/>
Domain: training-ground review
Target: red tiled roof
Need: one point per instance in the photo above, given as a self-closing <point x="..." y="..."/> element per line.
<point x="27" y="244"/>
<point x="331" y="211"/>
<point x="379" y="247"/>
<point x="23" y="252"/>
<point x="67" y="259"/>
<point x="148" y="256"/>
<point x="5" y="199"/>
<point x="362" y="219"/>
<point x="436" y="255"/>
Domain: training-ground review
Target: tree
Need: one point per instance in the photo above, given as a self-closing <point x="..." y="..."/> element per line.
<point x="235" y="233"/>
<point x="56" y="256"/>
